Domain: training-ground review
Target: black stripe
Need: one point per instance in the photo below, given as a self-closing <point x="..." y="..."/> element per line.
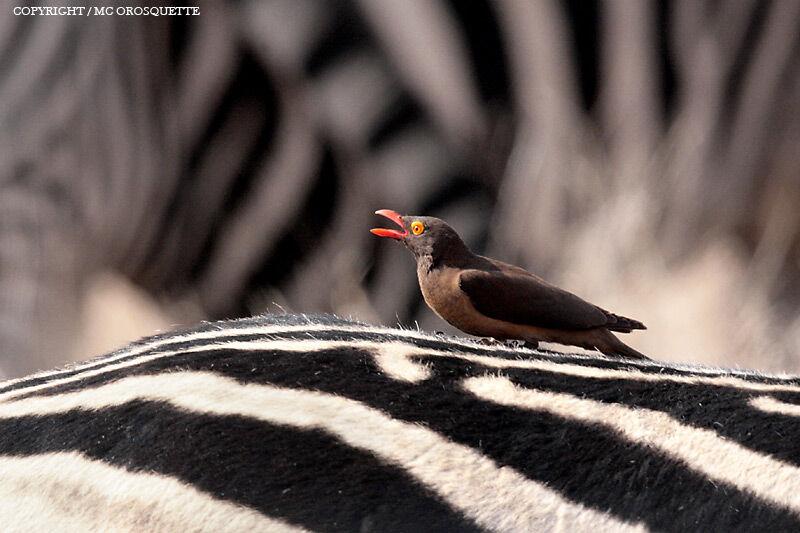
<point x="484" y="42"/>
<point x="305" y="477"/>
<point x="15" y="41"/>
<point x="569" y="456"/>
<point x="170" y="263"/>
<point x="59" y="61"/>
<point x="346" y="33"/>
<point x="315" y="212"/>
<point x="584" y="29"/>
<point x="403" y="114"/>
<point x="253" y="91"/>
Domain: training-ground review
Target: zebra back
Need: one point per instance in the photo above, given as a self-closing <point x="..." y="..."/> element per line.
<point x="316" y="423"/>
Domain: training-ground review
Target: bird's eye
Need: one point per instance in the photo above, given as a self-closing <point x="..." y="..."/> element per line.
<point x="417" y="228"/>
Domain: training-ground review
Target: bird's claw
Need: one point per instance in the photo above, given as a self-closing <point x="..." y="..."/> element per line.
<point x="518" y="343"/>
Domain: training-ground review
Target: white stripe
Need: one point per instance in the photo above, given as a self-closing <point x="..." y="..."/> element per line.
<point x="393" y="359"/>
<point x="495" y="497"/>
<point x="769" y="404"/>
<point x="703" y="450"/>
<point x="67" y="492"/>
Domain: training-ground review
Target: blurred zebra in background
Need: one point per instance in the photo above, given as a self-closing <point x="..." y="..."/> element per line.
<point x="231" y="159"/>
<point x="312" y="423"/>
<point x="221" y="158"/>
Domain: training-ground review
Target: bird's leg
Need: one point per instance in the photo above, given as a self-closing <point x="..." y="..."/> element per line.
<point x="522" y="343"/>
<point x="510" y="343"/>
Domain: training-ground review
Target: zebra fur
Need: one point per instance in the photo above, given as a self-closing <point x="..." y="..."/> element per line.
<point x="314" y="423"/>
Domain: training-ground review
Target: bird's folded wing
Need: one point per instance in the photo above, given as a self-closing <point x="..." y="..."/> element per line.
<point x="525" y="300"/>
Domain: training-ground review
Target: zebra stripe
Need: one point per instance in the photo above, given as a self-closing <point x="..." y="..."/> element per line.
<point x="771" y="405"/>
<point x="464" y="479"/>
<point x="701" y="450"/>
<point x="316" y="423"/>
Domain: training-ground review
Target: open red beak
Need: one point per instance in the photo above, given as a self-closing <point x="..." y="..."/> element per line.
<point x="393" y="233"/>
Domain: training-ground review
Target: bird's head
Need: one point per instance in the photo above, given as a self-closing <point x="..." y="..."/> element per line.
<point x="426" y="237"/>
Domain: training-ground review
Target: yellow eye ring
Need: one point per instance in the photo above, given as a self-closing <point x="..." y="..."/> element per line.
<point x="417" y="227"/>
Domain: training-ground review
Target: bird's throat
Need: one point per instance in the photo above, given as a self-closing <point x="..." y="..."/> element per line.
<point x="425" y="263"/>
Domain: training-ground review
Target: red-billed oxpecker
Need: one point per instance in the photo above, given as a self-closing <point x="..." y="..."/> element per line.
<point x="489" y="298"/>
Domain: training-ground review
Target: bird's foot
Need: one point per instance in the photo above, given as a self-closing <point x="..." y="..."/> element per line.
<point x="509" y="343"/>
<point x="518" y="343"/>
<point x="513" y="343"/>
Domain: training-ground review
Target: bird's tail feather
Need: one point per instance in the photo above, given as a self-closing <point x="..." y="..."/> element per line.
<point x="623" y="324"/>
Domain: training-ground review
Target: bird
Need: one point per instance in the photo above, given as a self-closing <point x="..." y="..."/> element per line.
<point x="499" y="301"/>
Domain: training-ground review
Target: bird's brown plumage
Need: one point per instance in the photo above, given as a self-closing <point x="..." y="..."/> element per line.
<point x="489" y="298"/>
